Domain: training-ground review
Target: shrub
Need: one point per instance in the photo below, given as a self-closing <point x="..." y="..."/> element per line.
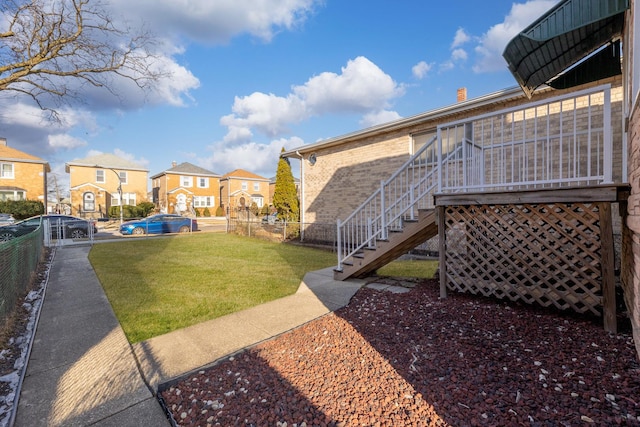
<point x="206" y="212"/>
<point x="197" y="212"/>
<point x="254" y="208"/>
<point x="21" y="209"/>
<point x="145" y="208"/>
<point x="128" y="211"/>
<point x="220" y="211"/>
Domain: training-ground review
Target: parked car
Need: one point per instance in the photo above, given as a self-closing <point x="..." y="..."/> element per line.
<point x="158" y="224"/>
<point x="271" y="218"/>
<point x="6" y="218"/>
<point x="61" y="226"/>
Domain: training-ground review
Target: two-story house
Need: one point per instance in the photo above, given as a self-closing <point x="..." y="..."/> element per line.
<point x="240" y="188"/>
<point x="184" y="188"/>
<point x="22" y="176"/>
<point x="105" y="180"/>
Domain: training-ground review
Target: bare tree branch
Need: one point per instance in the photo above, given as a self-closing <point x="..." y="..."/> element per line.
<point x="50" y="49"/>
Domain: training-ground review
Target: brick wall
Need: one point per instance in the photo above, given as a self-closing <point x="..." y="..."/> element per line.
<point x="30" y="177"/>
<point x="631" y="234"/>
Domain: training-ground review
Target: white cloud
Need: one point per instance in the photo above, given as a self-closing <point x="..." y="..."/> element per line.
<point x="261" y="159"/>
<point x="421" y="69"/>
<point x="494" y="41"/>
<point x="125" y="155"/>
<point x="361" y="87"/>
<point x="460" y="38"/>
<point x="459" y="55"/>
<point x="65" y="141"/>
<point x="218" y="21"/>
<point x="446" y="66"/>
<point x="172" y="90"/>
<point x="268" y="113"/>
<point x="379" y="117"/>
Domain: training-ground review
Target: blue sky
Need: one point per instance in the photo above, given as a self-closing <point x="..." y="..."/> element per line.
<point x="248" y="78"/>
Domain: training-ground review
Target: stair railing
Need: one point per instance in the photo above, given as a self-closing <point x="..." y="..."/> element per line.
<point x="398" y="199"/>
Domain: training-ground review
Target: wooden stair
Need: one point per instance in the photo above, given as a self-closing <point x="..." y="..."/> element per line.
<point x="399" y="243"/>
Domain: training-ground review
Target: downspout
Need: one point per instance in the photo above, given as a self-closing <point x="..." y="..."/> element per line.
<point x="302" y="210"/>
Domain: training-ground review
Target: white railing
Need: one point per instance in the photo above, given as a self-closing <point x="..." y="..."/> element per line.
<point x="398" y="198"/>
<point x="557" y="142"/>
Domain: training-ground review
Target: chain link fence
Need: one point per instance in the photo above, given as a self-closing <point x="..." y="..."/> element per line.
<point x="318" y="234"/>
<point x="19" y="259"/>
<point x="312" y="234"/>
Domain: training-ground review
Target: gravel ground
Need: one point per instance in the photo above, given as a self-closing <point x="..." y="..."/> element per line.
<point x="15" y="339"/>
<point x="411" y="359"/>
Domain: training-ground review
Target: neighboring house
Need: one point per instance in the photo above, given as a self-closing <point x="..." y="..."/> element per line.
<point x="524" y="188"/>
<point x="272" y="188"/>
<point x="105" y="180"/>
<point x="22" y="176"/>
<point x="240" y="188"/>
<point x="185" y="187"/>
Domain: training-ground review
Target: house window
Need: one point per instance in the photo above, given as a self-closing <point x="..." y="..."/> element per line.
<point x="129" y="199"/>
<point x="12" y="195"/>
<point x="418" y="140"/>
<point x="245" y="186"/>
<point x="123" y="177"/>
<point x="186" y="181"/>
<point x="100" y="176"/>
<point x="6" y="170"/>
<point x="203" y="182"/>
<point x="203" y="201"/>
<point x="88" y="202"/>
<point x="258" y="200"/>
<point x="256" y="186"/>
<point x="430" y="156"/>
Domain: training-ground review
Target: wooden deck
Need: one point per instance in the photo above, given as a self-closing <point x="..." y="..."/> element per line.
<point x="552" y="247"/>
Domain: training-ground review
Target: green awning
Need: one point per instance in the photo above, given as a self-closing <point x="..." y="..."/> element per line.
<point x="562" y="37"/>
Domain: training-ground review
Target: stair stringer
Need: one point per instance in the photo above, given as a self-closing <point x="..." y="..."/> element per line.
<point x="398" y="244"/>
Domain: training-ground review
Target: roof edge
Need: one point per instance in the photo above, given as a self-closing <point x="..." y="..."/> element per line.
<point x="480" y="101"/>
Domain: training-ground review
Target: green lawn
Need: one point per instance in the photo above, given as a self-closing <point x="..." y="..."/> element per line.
<point x="161" y="284"/>
<point x="424" y="269"/>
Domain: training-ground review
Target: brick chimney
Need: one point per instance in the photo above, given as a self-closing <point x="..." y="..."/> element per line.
<point x="462" y="94"/>
<point x="174" y="164"/>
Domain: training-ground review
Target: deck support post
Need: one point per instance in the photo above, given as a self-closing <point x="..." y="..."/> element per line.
<point x="608" y="268"/>
<point x="442" y="250"/>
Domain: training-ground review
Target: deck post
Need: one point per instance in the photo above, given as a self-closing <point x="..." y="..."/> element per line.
<point x="442" y="251"/>
<point x="608" y="268"/>
<point x="383" y="214"/>
<point x="339" y="247"/>
<point x="439" y="154"/>
<point x="608" y="139"/>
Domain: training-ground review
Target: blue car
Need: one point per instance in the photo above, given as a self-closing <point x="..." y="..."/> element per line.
<point x="158" y="224"/>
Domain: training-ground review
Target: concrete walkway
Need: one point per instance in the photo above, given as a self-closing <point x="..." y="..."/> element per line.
<point x="82" y="371"/>
<point x="172" y="355"/>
